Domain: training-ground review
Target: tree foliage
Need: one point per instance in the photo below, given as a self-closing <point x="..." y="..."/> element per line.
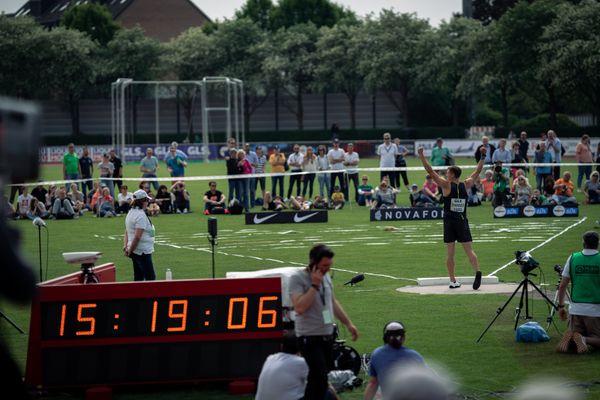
<point x="491" y="10"/>
<point x="257" y="11"/>
<point x="132" y="54"/>
<point x="92" y="18"/>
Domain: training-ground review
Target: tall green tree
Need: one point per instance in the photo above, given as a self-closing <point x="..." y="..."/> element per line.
<point x="487" y="11"/>
<point x="394" y="48"/>
<point x="240" y="54"/>
<point x="288" y="13"/>
<point x="571" y="51"/>
<point x="92" y="18"/>
<point x="291" y="65"/>
<point x="336" y="69"/>
<point x="447" y="67"/>
<point x="258" y="11"/>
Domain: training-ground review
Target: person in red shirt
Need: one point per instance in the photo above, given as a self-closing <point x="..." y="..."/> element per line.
<point x="563" y="190"/>
<point x="430" y="189"/>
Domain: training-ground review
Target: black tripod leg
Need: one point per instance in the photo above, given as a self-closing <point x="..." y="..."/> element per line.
<point x="524" y="300"/>
<point x="544" y="295"/>
<point x="499" y="311"/>
<point x="2" y="315"/>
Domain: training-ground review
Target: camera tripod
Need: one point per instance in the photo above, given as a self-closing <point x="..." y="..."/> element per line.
<point x="87" y="274"/>
<point x="10" y="321"/>
<point x="524" y="288"/>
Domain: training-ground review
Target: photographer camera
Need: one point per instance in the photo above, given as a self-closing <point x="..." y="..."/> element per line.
<point x="582" y="271"/>
<point x="501" y="185"/>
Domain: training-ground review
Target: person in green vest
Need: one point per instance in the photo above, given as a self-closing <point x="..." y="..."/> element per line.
<point x="440" y="155"/>
<point x="71" y="168"/>
<point x="582" y="270"/>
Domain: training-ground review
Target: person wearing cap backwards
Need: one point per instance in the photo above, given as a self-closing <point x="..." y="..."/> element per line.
<point x="391" y="355"/>
<point x="582" y="271"/>
<point x="138" y="243"/>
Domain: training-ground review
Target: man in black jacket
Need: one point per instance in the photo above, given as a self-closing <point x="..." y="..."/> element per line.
<point x="489" y="148"/>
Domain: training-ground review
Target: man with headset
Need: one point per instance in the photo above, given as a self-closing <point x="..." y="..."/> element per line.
<point x="391" y="355"/>
<point x="311" y="292"/>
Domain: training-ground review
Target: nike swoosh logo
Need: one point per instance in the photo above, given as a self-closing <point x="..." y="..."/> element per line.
<point x="300" y="219"/>
<point x="258" y="220"/>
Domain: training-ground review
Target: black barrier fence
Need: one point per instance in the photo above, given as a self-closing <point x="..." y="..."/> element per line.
<point x="286" y="217"/>
<point x="536" y="211"/>
<point x="407" y="214"/>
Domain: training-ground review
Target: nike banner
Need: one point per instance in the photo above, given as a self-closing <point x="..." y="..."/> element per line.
<point x="286" y="217"/>
<point x="537" y="211"/>
<point x="407" y="214"/>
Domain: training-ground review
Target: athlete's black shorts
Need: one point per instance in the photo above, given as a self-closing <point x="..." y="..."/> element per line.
<point x="457" y="230"/>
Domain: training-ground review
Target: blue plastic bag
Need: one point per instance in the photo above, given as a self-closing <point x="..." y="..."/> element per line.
<point x="531" y="332"/>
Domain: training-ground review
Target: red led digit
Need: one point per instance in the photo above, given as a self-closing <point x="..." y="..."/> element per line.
<point x="182" y="315"/>
<point x="263" y="313"/>
<point x="154" y="309"/>
<point x="90" y="320"/>
<point x="63" y="314"/>
<point x="232" y="301"/>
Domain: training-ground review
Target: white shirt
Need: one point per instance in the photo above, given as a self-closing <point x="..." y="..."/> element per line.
<point x="351" y="158"/>
<point x="323" y="163"/>
<point x="124" y="198"/>
<point x="387" y="154"/>
<point x="586" y="309"/>
<point x="309" y="165"/>
<point x="295" y="160"/>
<point x="24" y="203"/>
<point x="283" y="376"/>
<point x="336" y="154"/>
<point x="137" y="219"/>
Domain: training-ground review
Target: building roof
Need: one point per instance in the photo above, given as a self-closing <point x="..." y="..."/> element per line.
<point x="177" y="14"/>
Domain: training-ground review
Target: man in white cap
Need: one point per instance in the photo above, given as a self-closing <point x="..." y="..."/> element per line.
<point x="389" y="357"/>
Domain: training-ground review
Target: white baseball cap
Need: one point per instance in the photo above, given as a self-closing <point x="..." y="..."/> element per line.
<point x="140" y="195"/>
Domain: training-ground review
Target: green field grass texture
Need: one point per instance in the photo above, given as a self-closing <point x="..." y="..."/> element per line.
<point x="442" y="328"/>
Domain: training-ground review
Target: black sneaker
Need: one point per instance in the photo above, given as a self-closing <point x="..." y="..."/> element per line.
<point x="477" y="281"/>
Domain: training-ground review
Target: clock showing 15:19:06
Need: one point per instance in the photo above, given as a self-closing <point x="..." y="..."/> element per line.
<point x="162" y="316"/>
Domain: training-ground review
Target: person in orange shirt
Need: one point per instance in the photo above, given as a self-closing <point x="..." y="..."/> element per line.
<point x="488" y="185"/>
<point x="277" y="161"/>
<point x="563" y="190"/>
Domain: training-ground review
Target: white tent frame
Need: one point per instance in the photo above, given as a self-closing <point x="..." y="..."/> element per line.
<point x="235" y="105"/>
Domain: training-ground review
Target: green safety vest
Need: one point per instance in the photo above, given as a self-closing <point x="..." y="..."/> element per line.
<point x="585" y="278"/>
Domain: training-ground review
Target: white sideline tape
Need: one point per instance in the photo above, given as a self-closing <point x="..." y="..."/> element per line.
<point x="265" y="175"/>
<point x="541" y="244"/>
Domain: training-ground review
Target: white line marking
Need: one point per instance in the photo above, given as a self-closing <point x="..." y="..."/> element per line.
<point x="541" y="244"/>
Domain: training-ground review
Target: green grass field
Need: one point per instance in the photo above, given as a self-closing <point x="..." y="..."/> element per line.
<point x="442" y="328"/>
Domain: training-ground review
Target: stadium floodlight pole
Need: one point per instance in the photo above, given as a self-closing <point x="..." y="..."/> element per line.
<point x="157" y="116"/>
<point x="241" y="83"/>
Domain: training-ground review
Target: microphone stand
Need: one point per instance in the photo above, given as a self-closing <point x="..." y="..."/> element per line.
<point x="213" y="242"/>
<point x="40" y="249"/>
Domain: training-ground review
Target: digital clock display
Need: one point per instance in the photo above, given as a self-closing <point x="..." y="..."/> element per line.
<point x="152" y="332"/>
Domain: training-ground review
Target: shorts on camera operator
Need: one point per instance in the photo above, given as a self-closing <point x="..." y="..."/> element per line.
<point x="501" y="185"/>
<point x="582" y="270"/>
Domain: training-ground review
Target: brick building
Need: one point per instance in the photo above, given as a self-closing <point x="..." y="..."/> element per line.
<point x="161" y="19"/>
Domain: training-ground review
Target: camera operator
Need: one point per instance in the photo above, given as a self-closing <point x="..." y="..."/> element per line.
<point x="501" y="185"/>
<point x="388" y="357"/>
<point x="582" y="270"/>
<point x="563" y="190"/>
<point x="311" y="292"/>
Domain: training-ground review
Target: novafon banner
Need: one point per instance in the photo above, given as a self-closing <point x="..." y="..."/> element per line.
<point x="536" y="211"/>
<point x="407" y="214"/>
<point x="286" y="217"/>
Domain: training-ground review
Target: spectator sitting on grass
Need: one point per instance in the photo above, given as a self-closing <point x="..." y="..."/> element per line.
<point x="320" y="203"/>
<point x="62" y="207"/>
<point x="124" y="200"/>
<point x="549" y="188"/>
<point x="96" y="196"/>
<point x="77" y="199"/>
<point x="273" y="204"/>
<point x="181" y="201"/>
<point x="385" y="196"/>
<point x="106" y="204"/>
<point x="337" y="198"/>
<point x="591" y="189"/>
<point x="564" y="190"/>
<point x="522" y="192"/>
<point x="488" y="185"/>
<point x="90" y="195"/>
<point x="37" y="210"/>
<point x="515" y="181"/>
<point x="298" y="203"/>
<point x="39" y="192"/>
<point x="365" y="192"/>
<point x="475" y="193"/>
<point x="214" y="200"/>
<point x="417" y="198"/>
<point x="431" y="190"/>
<point x="164" y="200"/>
<point x="538" y="199"/>
<point x="50" y="196"/>
<point x="23" y="201"/>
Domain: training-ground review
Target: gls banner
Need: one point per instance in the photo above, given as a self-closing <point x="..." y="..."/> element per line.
<point x="407" y="214"/>
<point x="539" y="211"/>
<point x="286" y="217"/>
